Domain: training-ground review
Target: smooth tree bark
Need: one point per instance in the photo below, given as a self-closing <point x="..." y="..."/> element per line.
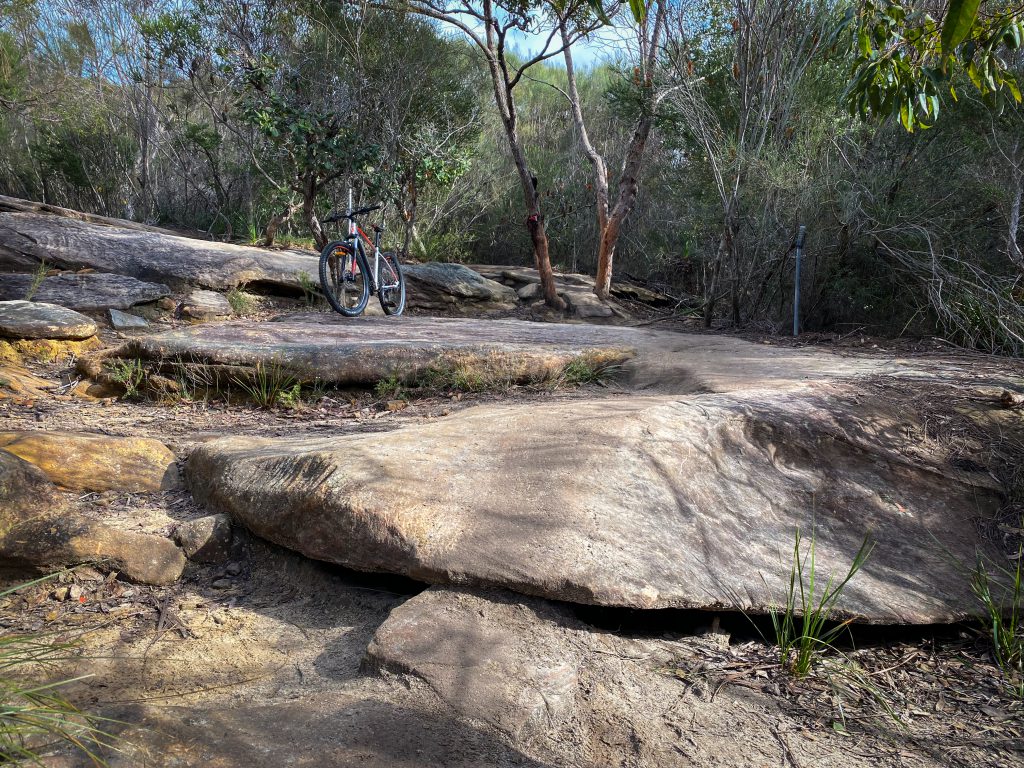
<point x="610" y="218"/>
<point x="497" y="22"/>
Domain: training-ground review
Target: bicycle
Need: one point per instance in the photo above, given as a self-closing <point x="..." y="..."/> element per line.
<point x="345" y="275"/>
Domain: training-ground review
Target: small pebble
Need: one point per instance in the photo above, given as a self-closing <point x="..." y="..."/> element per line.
<point x="233" y="569"/>
<point x="221" y="584"/>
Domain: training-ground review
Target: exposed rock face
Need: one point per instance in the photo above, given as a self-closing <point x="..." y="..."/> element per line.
<point x="89" y="292"/>
<point x="455" y="288"/>
<point x="647" y="502"/>
<point x="38" y="529"/>
<point x="26" y="239"/>
<point x="366" y="350"/>
<point x="36" y="320"/>
<point x="87" y="462"/>
<point x="508" y="661"/>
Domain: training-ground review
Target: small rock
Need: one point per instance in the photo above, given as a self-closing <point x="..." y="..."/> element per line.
<point x="206" y="540"/>
<point x="75" y="592"/>
<point x="233" y="569"/>
<point x="529" y="292"/>
<point x="60" y="594"/>
<point x="586" y="304"/>
<point x="125" y="321"/>
<point x="221" y="584"/>
<point x="205" y="305"/>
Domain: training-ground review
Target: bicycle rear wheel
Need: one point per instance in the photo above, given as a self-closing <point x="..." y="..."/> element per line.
<point x="343" y="279"/>
<point x="391" y="290"/>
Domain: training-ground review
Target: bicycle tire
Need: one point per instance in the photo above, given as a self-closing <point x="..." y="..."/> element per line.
<point x="391" y="291"/>
<point x="346" y="281"/>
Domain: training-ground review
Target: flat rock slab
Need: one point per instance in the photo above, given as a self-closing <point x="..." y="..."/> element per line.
<point x="37" y="320"/>
<point x="87" y="462"/>
<point x="650" y="502"/>
<point x="360" y="351"/>
<point x="39" y="528"/>
<point x="89" y="292"/>
<point x="26" y="239"/>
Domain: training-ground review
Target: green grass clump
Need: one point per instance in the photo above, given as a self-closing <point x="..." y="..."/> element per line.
<point x="269" y="386"/>
<point x="34" y="717"/>
<point x="587" y="369"/>
<point x="242" y="303"/>
<point x="1002" y="595"/>
<point x="802" y="628"/>
<point x="130" y="374"/>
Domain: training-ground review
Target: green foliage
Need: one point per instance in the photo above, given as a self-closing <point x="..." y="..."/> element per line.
<point x="243" y="303"/>
<point x="391" y="387"/>
<point x="802" y="626"/>
<point x="37" y="279"/>
<point x="129" y="373"/>
<point x="310" y="288"/>
<point x="904" y="59"/>
<point x="1000" y="589"/>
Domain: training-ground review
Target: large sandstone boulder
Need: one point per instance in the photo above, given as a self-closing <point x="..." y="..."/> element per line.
<point x="689" y="502"/>
<point x="36" y="320"/>
<point x="456" y="289"/>
<point x="88" y="292"/>
<point x="363" y="351"/>
<point x="26" y="239"/>
<point x="88" y="462"/>
<point x="38" y="528"/>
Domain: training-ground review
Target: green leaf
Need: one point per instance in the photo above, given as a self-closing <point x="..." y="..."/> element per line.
<point x="959" y="20"/>
<point x="638" y="8"/>
<point x="598" y="9"/>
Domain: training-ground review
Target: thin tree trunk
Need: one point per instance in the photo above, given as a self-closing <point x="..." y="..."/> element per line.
<point x="534" y="218"/>
<point x="609" y="224"/>
<point x="309" y="192"/>
<point x="629" y="185"/>
<point x="275" y="223"/>
<point x="1012" y="246"/>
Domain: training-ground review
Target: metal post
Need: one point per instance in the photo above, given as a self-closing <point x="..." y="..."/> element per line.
<point x="796" y="281"/>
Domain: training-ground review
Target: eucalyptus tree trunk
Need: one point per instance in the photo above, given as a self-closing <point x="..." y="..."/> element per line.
<point x="611" y="218"/>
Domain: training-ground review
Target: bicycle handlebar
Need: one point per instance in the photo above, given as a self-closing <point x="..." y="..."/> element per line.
<point x="358" y="212"/>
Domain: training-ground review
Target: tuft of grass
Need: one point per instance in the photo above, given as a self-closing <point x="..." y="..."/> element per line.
<point x="242" y="303"/>
<point x="130" y="374"/>
<point x="37" y="280"/>
<point x="269" y="386"/>
<point x="587" y="369"/>
<point x="391" y="388"/>
<point x="310" y="289"/>
<point x="802" y="628"/>
<point x="33" y="714"/>
<point x="1000" y="590"/>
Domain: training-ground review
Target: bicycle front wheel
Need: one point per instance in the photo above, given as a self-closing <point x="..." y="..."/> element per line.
<point x="343" y="279"/>
<point x="391" y="290"/>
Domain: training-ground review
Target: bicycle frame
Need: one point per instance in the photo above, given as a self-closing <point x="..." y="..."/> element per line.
<point x="357" y="236"/>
